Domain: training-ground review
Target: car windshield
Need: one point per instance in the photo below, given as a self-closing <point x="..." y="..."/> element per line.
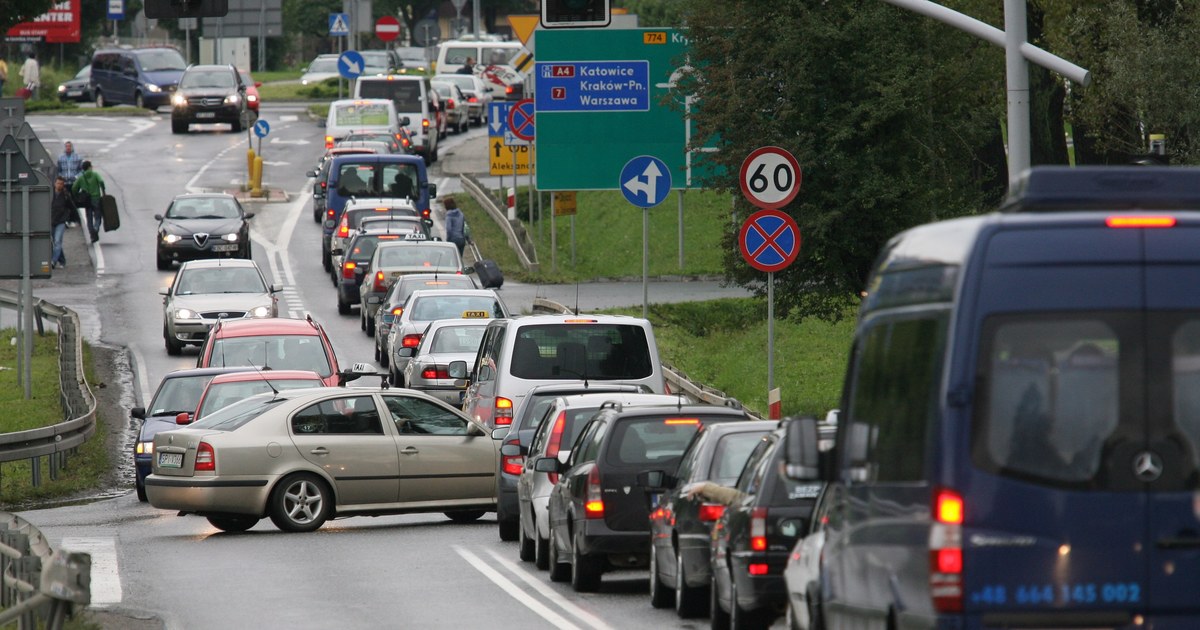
<point x="280" y="352"/>
<point x="497" y="56"/>
<point x="412" y="54"/>
<point x="457" y="339"/>
<point x="238" y="414"/>
<point x="404" y="288"/>
<point x="178" y="395"/>
<point x="406" y="94"/>
<point x="200" y="280"/>
<point x="357" y="114"/>
<point x="363" y="247"/>
<point x="429" y="308"/>
<point x="204" y="208"/>
<point x="324" y="65"/>
<point x="370" y="137"/>
<point x="207" y="79"/>
<point x="222" y="395"/>
<point x="155" y="60"/>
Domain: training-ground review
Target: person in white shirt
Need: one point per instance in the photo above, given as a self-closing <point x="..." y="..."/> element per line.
<point x="31" y="75"/>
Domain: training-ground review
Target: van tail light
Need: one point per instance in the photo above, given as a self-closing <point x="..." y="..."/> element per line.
<point x="758" y="529"/>
<point x="503" y="414"/>
<point x="330" y="214"/>
<point x="710" y="512"/>
<point x="508" y="89"/>
<point x="348" y="268"/>
<point x="425" y="123"/>
<point x="344" y="227"/>
<point x="593" y="506"/>
<point x="411" y="341"/>
<point x="945" y="552"/>
<point x="324" y="185"/>
<point x="554" y="444"/>
<point x="425" y="213"/>
<point x="512" y="464"/>
<point x="380" y="282"/>
<point x="450" y="103"/>
<point x="328" y="142"/>
<point x="435" y="371"/>
<point x="206" y="458"/>
<point x="1140" y="221"/>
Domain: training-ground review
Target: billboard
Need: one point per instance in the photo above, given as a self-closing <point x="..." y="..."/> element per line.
<point x="59" y="25"/>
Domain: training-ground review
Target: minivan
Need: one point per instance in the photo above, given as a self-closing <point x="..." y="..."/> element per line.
<point x="1019" y="434"/>
<point x="144" y="77"/>
<point x="519" y="354"/>
<point x="414" y="99"/>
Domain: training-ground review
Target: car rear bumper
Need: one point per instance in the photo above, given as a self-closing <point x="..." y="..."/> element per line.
<point x="760" y="591"/>
<point x="450" y="395"/>
<point x="632" y="549"/>
<point x="225" y="495"/>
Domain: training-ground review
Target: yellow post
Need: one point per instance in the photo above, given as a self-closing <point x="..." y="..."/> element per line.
<point x="250" y="156"/>
<point x="256" y="178"/>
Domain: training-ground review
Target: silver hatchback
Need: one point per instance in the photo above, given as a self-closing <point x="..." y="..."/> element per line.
<point x="425" y="306"/>
<point x="443" y="341"/>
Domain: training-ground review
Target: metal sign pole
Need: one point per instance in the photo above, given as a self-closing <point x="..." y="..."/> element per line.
<point x="681" y="229"/>
<point x="530" y="191"/>
<point x="553" y="232"/>
<point x="26" y="293"/>
<point x="771" y="331"/>
<point x="572" y="241"/>
<point x="645" y="263"/>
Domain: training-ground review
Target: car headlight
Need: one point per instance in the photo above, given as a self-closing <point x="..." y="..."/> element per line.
<point x="171" y="238"/>
<point x="186" y="313"/>
<point x="145" y="448"/>
<point x="233" y="99"/>
<point x="261" y="311"/>
<point x="179" y="100"/>
<point x="232" y="238"/>
<point x="153" y="88"/>
<point x="62" y="88"/>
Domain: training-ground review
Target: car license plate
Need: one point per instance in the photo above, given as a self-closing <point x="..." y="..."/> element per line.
<point x="206" y="114"/>
<point x="225" y="248"/>
<point x="74" y="92"/>
<point x="170" y="460"/>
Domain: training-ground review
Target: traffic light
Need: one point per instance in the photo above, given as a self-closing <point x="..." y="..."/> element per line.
<point x="158" y="9"/>
<point x="575" y="13"/>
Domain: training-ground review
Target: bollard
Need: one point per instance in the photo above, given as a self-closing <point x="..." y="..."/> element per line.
<point x="256" y="178"/>
<point x="250" y="156"/>
<point x="512" y="204"/>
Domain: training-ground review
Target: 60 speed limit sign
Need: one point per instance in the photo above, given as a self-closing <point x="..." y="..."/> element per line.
<point x="770" y="177"/>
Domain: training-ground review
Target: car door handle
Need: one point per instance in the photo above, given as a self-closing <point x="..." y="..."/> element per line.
<point x="320" y="450"/>
<point x="412" y="450"/>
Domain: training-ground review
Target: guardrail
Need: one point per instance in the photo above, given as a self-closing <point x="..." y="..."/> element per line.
<point x="484" y="198"/>
<point x="78" y="403"/>
<point x="38" y="586"/>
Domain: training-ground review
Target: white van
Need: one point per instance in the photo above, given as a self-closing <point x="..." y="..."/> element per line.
<point x="453" y="54"/>
<point x="518" y="354"/>
<point x="360" y="114"/>
<point x="414" y="99"/>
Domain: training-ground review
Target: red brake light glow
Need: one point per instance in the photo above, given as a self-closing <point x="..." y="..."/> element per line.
<point x="411" y="341"/>
<point x="593" y="506"/>
<point x="398" y="311"/>
<point x="758" y="568"/>
<point x="758" y="529"/>
<point x="710" y="512"/>
<point x="425" y="122"/>
<point x="206" y="457"/>
<point x="579" y="321"/>
<point x="380" y="282"/>
<point x="945" y="551"/>
<point x="1140" y="221"/>
<point x="503" y="412"/>
<point x="348" y="269"/>
<point x="328" y="142"/>
<point x="512" y="464"/>
<point x="436" y="371"/>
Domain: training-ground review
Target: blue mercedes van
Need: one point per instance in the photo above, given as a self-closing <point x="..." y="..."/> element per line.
<point x="1019" y="444"/>
<point x="143" y="77"/>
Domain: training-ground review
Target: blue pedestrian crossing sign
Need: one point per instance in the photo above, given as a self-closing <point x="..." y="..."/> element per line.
<point x="350" y="64"/>
<point x="645" y="181"/>
<point x="339" y="24"/>
<point x="261" y="128"/>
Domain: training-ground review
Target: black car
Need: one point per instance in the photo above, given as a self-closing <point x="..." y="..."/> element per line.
<point x="520" y="434"/>
<point x="203" y="225"/>
<point x="754" y="537"/>
<point x="681" y="525"/>
<point x="599" y="516"/>
<point x="77" y="88"/>
<point x="355" y="262"/>
<point x="209" y="94"/>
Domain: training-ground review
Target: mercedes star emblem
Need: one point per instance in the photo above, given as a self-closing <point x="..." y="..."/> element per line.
<point x="1147" y="466"/>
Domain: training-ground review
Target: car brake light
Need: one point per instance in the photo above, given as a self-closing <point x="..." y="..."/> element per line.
<point x="348" y="268"/>
<point x="554" y="445"/>
<point x="945" y="552"/>
<point x="328" y="142"/>
<point x="411" y="341"/>
<point x="675" y="421"/>
<point x="710" y="512"/>
<point x="472" y="99"/>
<point x="425" y="213"/>
<point x="425" y="122"/>
<point x="380" y="282"/>
<point x="344" y="228"/>
<point x="330" y="214"/>
<point x="512" y="464"/>
<point x="1136" y="221"/>
<point x="593" y="505"/>
<point x="435" y="371"/>
<point x="504" y="410"/>
<point x="450" y="103"/>
<point x="757" y="568"/>
<point x="206" y="457"/>
<point x="758" y="529"/>
<point x="324" y="185"/>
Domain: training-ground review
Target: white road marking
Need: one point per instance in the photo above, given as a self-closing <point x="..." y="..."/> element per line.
<point x="191" y="185"/>
<point x="106" y="579"/>
<point x="289" y="118"/>
<point x="515" y="591"/>
<point x="550" y="593"/>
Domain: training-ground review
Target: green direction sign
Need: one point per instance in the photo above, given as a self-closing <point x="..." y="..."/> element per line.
<point x="591" y="119"/>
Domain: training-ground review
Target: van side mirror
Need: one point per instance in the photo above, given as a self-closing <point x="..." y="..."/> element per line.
<point x="547" y="465"/>
<point x="858" y="438"/>
<point x="404" y="122"/>
<point x="800" y="454"/>
<point x="457" y="369"/>
<point x="432" y="191"/>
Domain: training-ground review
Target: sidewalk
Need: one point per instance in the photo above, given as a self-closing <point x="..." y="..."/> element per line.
<point x="73" y="286"/>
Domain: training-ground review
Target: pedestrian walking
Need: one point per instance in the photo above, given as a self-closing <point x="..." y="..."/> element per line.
<point x="62" y="207"/>
<point x="456" y="224"/>
<point x="70" y="165"/>
<point x="93" y="184"/>
<point x="31" y="75"/>
<point x="3" y="74"/>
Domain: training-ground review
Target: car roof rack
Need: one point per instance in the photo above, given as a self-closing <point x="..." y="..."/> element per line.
<point x="1063" y="188"/>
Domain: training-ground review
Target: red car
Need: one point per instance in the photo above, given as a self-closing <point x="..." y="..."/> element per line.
<point x="273" y="343"/>
<point x="251" y="90"/>
<point x="225" y="389"/>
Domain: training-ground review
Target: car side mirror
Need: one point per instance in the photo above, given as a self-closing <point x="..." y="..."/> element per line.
<point x="275" y="288"/>
<point x="405" y="352"/>
<point x="138" y="412"/>
<point x="547" y="464"/>
<point x="164" y="291"/>
<point x="652" y="479"/>
<point x="374" y="299"/>
<point x="249" y="215"/>
<point x="469" y="270"/>
<point x="499" y="433"/>
<point x="310" y="174"/>
<point x="474" y="430"/>
<point x="800" y="454"/>
<point x="258" y="84"/>
<point x="457" y="369"/>
<point x="158" y="217"/>
<point x="183" y="418"/>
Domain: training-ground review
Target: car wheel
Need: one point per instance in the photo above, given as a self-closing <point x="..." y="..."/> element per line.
<point x="141" y="491"/>
<point x="326" y="261"/>
<point x="816" y="619"/>
<point x="465" y="516"/>
<point x="377" y="354"/>
<point x="740" y="618"/>
<point x="384" y="360"/>
<point x="233" y="523"/>
<point x="162" y="263"/>
<point x="174" y="347"/>
<point x="541" y="550"/>
<point x="559" y="570"/>
<point x="139" y="101"/>
<point x="660" y="595"/>
<point x="524" y="543"/>
<point x="397" y="379"/>
<point x="100" y="100"/>
<point x="585" y="571"/>
<point x="370" y="323"/>
<point x="300" y="503"/>
<point x="316" y="214"/>
<point x="508" y="529"/>
<point x="247" y="254"/>
<point x="343" y="306"/>
<point x="238" y="124"/>
<point x="718" y="618"/>
<point x="689" y="600"/>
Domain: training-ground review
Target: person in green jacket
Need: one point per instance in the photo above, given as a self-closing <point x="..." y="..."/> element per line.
<point x="89" y="181"/>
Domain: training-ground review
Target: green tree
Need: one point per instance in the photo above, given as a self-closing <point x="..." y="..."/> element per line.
<point x="654" y="13"/>
<point x="17" y="11"/>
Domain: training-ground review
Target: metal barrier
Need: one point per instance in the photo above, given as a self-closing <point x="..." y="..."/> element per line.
<point x="37" y="585"/>
<point x="481" y="195"/>
<point x="78" y="403"/>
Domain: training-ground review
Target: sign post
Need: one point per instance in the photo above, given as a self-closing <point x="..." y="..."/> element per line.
<point x="387" y="28"/>
<point x="645" y="181"/>
<point x="770" y="238"/>
<point x="520" y="124"/>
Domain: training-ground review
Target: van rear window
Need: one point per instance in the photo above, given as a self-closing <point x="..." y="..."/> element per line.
<point x="575" y="351"/>
<point x="405" y="94"/>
